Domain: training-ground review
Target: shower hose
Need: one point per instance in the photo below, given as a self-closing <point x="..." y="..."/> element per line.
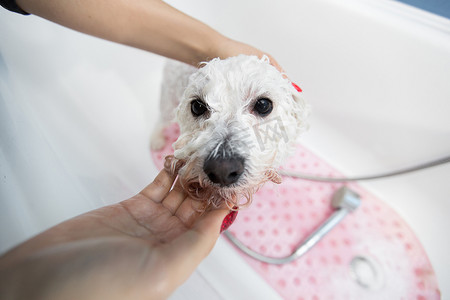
<point x="344" y="201"/>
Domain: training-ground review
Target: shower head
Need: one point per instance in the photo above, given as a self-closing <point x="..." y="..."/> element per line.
<point x="345" y="198"/>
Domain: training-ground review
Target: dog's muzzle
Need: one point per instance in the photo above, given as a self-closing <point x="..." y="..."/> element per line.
<point x="223" y="167"/>
<point x="224" y="171"/>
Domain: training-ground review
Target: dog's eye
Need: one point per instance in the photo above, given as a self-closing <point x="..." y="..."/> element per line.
<point x="198" y="107"/>
<point x="263" y="107"/>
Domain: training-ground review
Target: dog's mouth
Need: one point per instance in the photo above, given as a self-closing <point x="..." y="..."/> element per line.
<point x="200" y="188"/>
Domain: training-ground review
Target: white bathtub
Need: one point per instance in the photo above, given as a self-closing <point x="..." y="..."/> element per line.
<point x="76" y="113"/>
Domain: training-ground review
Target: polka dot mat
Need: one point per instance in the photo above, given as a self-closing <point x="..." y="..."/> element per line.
<point x="371" y="254"/>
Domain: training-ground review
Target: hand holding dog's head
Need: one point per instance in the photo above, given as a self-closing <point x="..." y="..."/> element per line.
<point x="239" y="119"/>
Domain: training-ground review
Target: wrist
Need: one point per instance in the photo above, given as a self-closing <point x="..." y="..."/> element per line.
<point x="212" y="46"/>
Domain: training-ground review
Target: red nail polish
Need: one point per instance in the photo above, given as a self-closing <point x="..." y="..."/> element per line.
<point x="296" y="87"/>
<point x="228" y="220"/>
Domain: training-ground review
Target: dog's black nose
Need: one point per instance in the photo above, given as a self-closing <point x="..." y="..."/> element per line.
<point x="224" y="171"/>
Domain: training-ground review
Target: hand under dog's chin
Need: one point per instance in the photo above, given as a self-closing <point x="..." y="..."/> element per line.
<point x="202" y="189"/>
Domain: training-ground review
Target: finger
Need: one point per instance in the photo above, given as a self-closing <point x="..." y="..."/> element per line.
<point x="158" y="189"/>
<point x="274" y="63"/>
<point x="185" y="252"/>
<point x="189" y="211"/>
<point x="175" y="198"/>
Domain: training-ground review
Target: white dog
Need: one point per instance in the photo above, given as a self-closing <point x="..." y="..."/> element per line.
<point x="239" y="118"/>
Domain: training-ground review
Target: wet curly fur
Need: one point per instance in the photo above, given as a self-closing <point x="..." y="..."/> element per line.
<point x="231" y="126"/>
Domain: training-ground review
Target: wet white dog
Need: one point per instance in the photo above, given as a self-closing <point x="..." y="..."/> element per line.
<point x="239" y="118"/>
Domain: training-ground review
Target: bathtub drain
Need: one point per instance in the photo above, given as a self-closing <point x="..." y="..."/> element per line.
<point x="367" y="273"/>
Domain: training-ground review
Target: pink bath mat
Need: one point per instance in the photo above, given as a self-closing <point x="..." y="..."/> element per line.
<point x="371" y="254"/>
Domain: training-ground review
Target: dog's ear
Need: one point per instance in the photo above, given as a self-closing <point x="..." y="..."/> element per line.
<point x="302" y="108"/>
<point x="297" y="92"/>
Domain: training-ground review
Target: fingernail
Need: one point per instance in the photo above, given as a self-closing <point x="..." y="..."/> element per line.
<point x="297" y="87"/>
<point x="228" y="220"/>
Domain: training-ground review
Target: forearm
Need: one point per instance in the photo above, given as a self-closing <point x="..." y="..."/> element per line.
<point x="150" y="25"/>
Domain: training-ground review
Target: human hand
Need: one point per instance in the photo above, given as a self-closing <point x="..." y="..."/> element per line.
<point x="141" y="248"/>
<point x="227" y="47"/>
<point x="153" y="26"/>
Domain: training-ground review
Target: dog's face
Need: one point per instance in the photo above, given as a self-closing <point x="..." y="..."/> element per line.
<point x="239" y="118"/>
